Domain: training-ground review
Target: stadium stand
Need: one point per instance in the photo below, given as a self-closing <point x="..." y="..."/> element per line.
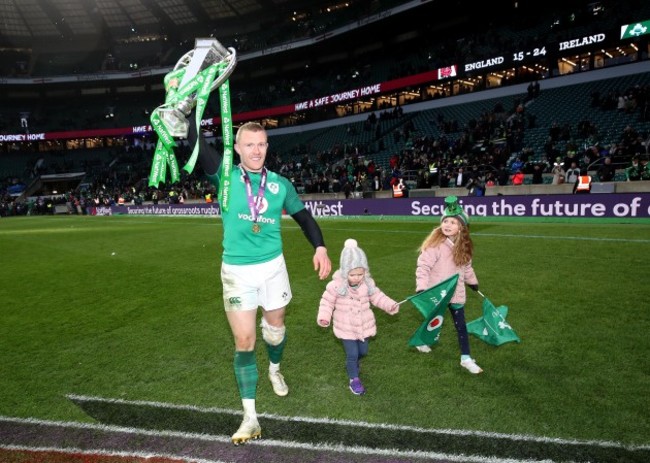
<point x="484" y="128"/>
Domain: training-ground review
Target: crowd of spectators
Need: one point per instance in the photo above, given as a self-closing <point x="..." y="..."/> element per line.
<point x="486" y="151"/>
<point x="491" y="140"/>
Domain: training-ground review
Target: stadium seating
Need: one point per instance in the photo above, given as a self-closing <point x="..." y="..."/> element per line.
<point x="563" y="105"/>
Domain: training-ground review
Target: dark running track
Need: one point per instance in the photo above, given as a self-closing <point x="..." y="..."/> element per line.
<point x="135" y="432"/>
<point x="20" y="443"/>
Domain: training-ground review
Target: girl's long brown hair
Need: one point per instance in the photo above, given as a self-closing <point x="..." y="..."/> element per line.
<point x="463" y="247"/>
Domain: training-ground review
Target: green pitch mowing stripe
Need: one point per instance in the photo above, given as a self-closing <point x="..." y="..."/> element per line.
<point x="214" y="421"/>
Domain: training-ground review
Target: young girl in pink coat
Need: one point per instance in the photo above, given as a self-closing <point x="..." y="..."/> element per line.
<point x="445" y="252"/>
<point x="347" y="300"/>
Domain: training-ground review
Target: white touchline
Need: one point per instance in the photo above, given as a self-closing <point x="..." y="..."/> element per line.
<point x="146" y="455"/>
<point x="263" y="443"/>
<point x="498" y="235"/>
<point x="392" y="427"/>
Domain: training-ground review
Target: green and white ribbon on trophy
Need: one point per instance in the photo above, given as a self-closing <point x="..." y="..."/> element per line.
<point x="228" y="145"/>
<point x="194" y="77"/>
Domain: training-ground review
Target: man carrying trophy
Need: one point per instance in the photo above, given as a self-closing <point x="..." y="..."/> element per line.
<point x="253" y="269"/>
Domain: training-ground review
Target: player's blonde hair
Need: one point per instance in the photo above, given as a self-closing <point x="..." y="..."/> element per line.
<point x="249" y="126"/>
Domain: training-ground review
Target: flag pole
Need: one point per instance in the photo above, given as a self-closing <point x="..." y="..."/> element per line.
<point x="483" y="295"/>
<point x="410" y="297"/>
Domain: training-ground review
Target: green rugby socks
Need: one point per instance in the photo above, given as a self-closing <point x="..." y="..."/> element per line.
<point x="246" y="373"/>
<point x="275" y="352"/>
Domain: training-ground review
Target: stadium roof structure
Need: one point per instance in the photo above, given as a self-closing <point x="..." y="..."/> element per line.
<point x="36" y="22"/>
<point x="40" y="38"/>
<point x="25" y="22"/>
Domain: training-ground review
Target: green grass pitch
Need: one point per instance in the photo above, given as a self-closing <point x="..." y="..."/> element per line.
<point x="130" y="308"/>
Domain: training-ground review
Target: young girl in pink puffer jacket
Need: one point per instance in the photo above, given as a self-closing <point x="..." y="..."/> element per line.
<point x="445" y="252"/>
<point x="347" y="300"/>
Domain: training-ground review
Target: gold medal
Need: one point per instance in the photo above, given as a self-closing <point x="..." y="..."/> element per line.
<point x="256" y="228"/>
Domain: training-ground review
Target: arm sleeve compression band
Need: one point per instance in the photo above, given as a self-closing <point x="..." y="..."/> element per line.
<point x="309" y="227"/>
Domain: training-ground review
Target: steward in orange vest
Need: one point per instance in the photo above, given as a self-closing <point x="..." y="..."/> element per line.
<point x="583" y="184"/>
<point x="399" y="189"/>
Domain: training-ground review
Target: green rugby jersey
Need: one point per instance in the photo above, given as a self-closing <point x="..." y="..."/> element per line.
<point x="241" y="245"/>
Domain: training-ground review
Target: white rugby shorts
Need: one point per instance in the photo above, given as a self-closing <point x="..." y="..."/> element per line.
<point x="247" y="287"/>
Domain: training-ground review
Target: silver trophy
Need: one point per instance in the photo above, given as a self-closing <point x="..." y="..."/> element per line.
<point x="206" y="52"/>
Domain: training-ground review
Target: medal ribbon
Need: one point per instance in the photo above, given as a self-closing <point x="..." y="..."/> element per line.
<point x="254" y="203"/>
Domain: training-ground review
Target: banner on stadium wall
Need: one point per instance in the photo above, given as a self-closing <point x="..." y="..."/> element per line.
<point x="631" y="31"/>
<point x="611" y="205"/>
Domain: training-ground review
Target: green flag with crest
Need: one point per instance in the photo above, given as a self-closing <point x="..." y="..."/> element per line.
<point x="432" y="303"/>
<point x="492" y="327"/>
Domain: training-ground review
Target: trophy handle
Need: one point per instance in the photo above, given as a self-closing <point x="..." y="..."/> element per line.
<point x="228" y="54"/>
<point x="230" y="67"/>
<point x="207" y="52"/>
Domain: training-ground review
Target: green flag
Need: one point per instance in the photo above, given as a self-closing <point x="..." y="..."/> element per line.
<point x="492" y="327"/>
<point x="432" y="304"/>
